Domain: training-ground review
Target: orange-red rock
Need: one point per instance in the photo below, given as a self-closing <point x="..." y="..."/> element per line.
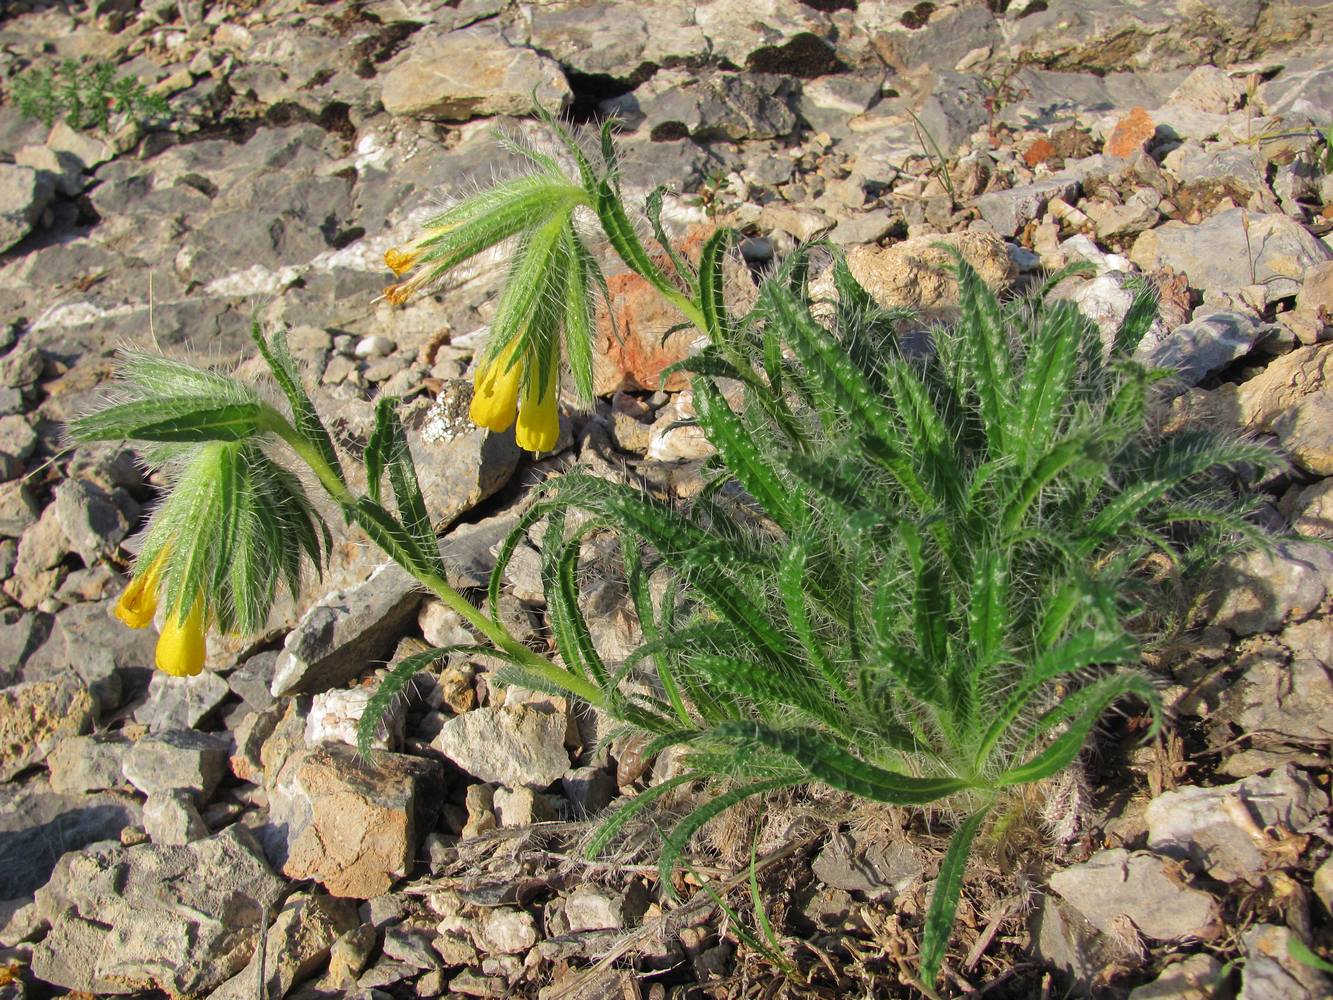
<point x="1130" y="134"/>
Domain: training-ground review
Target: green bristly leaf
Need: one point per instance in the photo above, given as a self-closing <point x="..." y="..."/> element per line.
<point x="944" y="900"/>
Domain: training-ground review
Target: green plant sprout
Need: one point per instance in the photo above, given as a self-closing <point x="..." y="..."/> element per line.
<point x="84" y="95"/>
<point x="914" y="576"/>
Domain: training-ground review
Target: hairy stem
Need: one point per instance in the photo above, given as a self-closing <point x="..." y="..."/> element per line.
<point x="496" y="633"/>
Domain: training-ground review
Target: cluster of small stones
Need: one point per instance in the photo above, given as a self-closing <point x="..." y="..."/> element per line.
<point x="203" y="837"/>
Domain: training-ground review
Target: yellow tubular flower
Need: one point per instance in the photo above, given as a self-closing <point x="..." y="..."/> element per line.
<point x="539" y="416"/>
<point x="180" y="647"/>
<point x="495" y="394"/>
<point x="400" y="261"/>
<point x="138" y="601"/>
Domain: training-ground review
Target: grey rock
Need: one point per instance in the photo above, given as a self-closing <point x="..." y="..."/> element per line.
<point x="1192" y="163"/>
<point x="1208" y="343"/>
<point x="788" y="37"/>
<point x="1215" y="827"/>
<point x="1191" y="979"/>
<point x="114" y="661"/>
<point x="35" y="716"/>
<point x="21" y="367"/>
<point x="468" y="74"/>
<point x="1270" y="973"/>
<point x="352" y="823"/>
<point x="881" y="872"/>
<point x="825" y="104"/>
<point x="181" y="919"/>
<point x="1217" y="256"/>
<point x="504" y="931"/>
<point x="1285" y="701"/>
<point x="17" y="438"/>
<point x="21" y="634"/>
<point x="41" y="550"/>
<point x="24" y="194"/>
<point x="181" y="702"/>
<point x="1115" y="885"/>
<point x="38" y="825"/>
<point x="177" y="759"/>
<point x="620" y="39"/>
<point x="1009" y="211"/>
<point x="87" y="763"/>
<point x="594" y="908"/>
<point x="1300" y="92"/>
<point x="250" y="681"/>
<point x="1063" y="939"/>
<point x="18" y="509"/>
<point x="94" y="521"/>
<point x="250" y="735"/>
<point x="511" y="747"/>
<point x="589" y="789"/>
<point x="62" y="171"/>
<point x="941" y="42"/>
<point x="297" y="944"/>
<point x="341" y="635"/>
<point x="412" y="946"/>
<point x="734" y="106"/>
<point x="170" y="818"/>
<point x="1257" y="591"/>
<point x="954" y="110"/>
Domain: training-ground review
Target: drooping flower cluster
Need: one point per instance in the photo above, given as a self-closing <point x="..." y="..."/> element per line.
<point x="233" y="523"/>
<point x="544" y="316"/>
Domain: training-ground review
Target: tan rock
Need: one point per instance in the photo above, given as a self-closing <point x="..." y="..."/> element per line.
<point x="298" y="942"/>
<point x="35" y="716"/>
<point x="1293" y="399"/>
<point x="914" y="274"/>
<point x="350" y="822"/>
<point x="469" y="74"/>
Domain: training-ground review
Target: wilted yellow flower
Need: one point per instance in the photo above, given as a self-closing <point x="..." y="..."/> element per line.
<point x="180" y="647"/>
<point x="138" y="601"/>
<point x="538" y="416"/>
<point x="495" y="392"/>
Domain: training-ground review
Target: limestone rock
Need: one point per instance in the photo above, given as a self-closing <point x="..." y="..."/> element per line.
<point x="38" y="825"/>
<point x="170" y="818"/>
<point x="1115" y="885"/>
<point x="298" y="942"/>
<point x="181" y="702"/>
<point x="506" y="932"/>
<point x="23" y="196"/>
<point x="913" y="274"/>
<point x="1257" y="592"/>
<point x="507" y="746"/>
<point x="1192" y="979"/>
<point x="1293" y="398"/>
<point x="594" y="908"/>
<point x="1012" y="209"/>
<point x="179" y="758"/>
<point x="468" y="74"/>
<point x="87" y="763"/>
<point x="1214" y="827"/>
<point x="1270" y="973"/>
<point x="35" y="716"/>
<point x="350" y="823"/>
<point x="1217" y="254"/>
<point x="1285" y="701"/>
<point x="180" y="919"/>
<point x="335" y="715"/>
<point x="1208" y="343"/>
<point x="339" y="637"/>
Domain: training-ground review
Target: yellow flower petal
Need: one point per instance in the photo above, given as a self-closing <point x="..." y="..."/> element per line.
<point x="180" y="647"/>
<point x="539" y="416"/>
<point x="138" y="601"/>
<point x="400" y="261"/>
<point x="495" y="394"/>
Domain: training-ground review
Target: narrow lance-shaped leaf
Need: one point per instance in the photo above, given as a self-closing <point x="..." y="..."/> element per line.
<point x="827" y="762"/>
<point x="944" y="899"/>
<point x="304" y="416"/>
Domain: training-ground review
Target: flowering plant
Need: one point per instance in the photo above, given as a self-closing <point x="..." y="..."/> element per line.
<point x="913" y="578"/>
